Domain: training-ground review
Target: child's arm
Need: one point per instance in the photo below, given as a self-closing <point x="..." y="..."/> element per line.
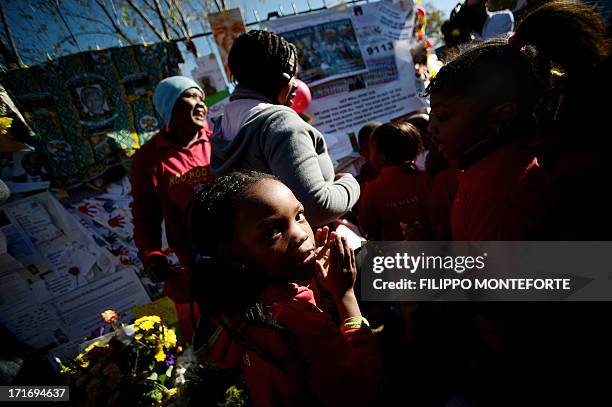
<point x="343" y="365"/>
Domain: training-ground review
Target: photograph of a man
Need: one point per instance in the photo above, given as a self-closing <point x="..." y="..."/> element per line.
<point x="93" y="101"/>
<point x="32" y="164"/>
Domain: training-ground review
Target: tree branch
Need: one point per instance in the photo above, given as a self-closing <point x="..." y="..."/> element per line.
<point x="58" y="11"/>
<point x="161" y="17"/>
<point x="148" y="21"/>
<point x="181" y="14"/>
<point x="116" y="27"/>
<point x="91" y="20"/>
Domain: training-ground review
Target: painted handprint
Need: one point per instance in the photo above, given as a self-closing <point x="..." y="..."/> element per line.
<point x="88" y="209"/>
<point x="116" y="221"/>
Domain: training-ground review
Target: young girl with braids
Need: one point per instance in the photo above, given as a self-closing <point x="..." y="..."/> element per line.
<point x="575" y="127"/>
<point x="482" y="106"/>
<point x="489" y="105"/>
<point x="259" y="132"/>
<point x="258" y="258"/>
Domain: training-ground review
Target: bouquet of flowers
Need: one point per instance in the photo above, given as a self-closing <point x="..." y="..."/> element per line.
<point x="135" y="370"/>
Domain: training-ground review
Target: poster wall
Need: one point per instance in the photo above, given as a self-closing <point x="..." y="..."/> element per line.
<point x="346" y="99"/>
<point x="55" y="279"/>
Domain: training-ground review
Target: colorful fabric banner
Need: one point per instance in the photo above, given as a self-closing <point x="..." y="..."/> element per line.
<point x="92" y="110"/>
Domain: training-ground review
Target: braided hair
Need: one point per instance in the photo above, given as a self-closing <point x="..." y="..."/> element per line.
<point x="492" y="72"/>
<point x="228" y="292"/>
<point x="258" y="60"/>
<point x="567" y="36"/>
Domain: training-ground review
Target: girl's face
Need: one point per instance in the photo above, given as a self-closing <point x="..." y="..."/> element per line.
<point x="190" y="110"/>
<point x="456" y="124"/>
<point x="272" y="235"/>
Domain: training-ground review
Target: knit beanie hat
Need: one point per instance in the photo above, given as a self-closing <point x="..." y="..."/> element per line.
<point x="168" y="91"/>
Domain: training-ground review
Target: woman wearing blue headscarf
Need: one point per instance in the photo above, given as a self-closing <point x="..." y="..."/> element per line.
<point x="165" y="173"/>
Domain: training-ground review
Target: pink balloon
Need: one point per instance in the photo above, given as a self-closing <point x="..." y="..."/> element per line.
<point x="302" y="98"/>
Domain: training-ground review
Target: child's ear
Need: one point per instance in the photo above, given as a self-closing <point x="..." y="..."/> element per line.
<point x="503" y="115"/>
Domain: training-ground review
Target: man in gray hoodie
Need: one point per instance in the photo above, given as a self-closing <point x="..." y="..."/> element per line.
<point x="258" y="130"/>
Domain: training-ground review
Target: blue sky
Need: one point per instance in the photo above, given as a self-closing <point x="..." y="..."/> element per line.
<point x="39" y="32"/>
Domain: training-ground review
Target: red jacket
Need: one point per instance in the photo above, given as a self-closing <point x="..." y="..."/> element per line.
<point x="342" y="365"/>
<point x="164" y="177"/>
<point x="441" y="200"/>
<point x="395" y="195"/>
<point x="504" y="196"/>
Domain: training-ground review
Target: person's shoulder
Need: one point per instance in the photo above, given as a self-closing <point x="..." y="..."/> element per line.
<point x="148" y="149"/>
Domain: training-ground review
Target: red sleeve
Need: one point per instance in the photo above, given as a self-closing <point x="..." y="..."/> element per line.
<point x="343" y="365"/>
<point x="146" y="209"/>
<point x="441" y="202"/>
<point x="518" y="214"/>
<point x="369" y="219"/>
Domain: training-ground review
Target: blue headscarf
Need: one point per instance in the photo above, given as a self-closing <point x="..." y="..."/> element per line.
<point x="168" y="91"/>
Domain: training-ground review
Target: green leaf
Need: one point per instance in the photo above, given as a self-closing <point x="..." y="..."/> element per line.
<point x="169" y="371"/>
<point x="153" y="376"/>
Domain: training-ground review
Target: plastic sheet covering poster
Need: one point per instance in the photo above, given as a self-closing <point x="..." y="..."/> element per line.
<point x="349" y="97"/>
<point x="57" y="254"/>
<point x="55" y="280"/>
<point x="92" y="110"/>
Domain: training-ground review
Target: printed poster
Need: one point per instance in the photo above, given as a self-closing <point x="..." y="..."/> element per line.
<point x="386" y="90"/>
<point x="226" y="26"/>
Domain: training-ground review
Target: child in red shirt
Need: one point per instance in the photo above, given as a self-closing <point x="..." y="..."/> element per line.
<point x="253" y="284"/>
<point x="482" y="115"/>
<point x="400" y="192"/>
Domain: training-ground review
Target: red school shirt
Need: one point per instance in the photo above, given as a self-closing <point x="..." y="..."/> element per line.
<point x="396" y="195"/>
<point x="164" y="178"/>
<point x="443" y="192"/>
<point x="504" y="196"/>
<point x="341" y="365"/>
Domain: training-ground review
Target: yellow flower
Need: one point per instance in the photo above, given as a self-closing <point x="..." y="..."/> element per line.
<point x="146" y="323"/>
<point x="160" y="356"/>
<point x="82" y="361"/>
<point x="5" y="124"/>
<point x="93" y="345"/>
<point x="169" y="338"/>
<point x="171" y="392"/>
<point x="138" y="336"/>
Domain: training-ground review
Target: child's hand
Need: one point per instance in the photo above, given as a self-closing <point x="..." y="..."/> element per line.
<point x="342" y="271"/>
<point x="322" y="242"/>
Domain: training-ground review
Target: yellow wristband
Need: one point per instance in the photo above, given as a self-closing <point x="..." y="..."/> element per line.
<point x="356" y="323"/>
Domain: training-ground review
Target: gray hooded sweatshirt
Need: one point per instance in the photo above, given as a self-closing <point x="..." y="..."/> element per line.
<point x="259" y="136"/>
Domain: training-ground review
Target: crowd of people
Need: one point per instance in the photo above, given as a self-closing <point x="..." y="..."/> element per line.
<point x="514" y="148"/>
